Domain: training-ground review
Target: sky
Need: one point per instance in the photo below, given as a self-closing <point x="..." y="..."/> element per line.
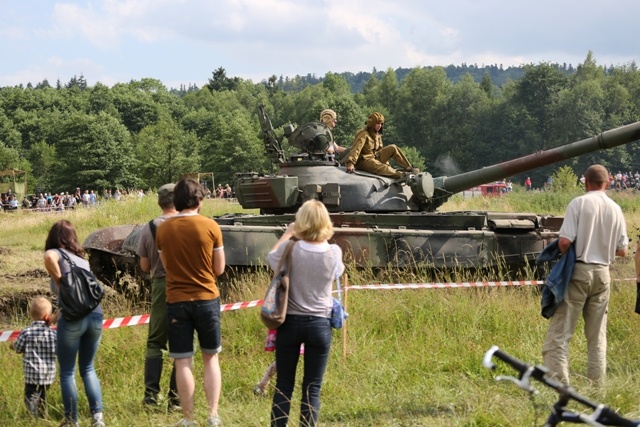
<point x="181" y="42"/>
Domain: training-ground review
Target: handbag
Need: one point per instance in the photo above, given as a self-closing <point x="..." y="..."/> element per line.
<point x="80" y="292"/>
<point x="274" y="306"/>
<point x="338" y="313"/>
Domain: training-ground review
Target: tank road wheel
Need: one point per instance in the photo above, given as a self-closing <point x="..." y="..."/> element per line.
<point x="102" y="266"/>
<point x="125" y="278"/>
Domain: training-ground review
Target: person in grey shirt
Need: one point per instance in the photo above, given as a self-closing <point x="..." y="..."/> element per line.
<point x="157" y="338"/>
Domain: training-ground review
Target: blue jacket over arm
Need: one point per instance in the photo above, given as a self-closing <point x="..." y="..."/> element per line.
<point x="556" y="284"/>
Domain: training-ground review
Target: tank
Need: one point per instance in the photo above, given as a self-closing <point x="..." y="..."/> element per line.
<point x="379" y="222"/>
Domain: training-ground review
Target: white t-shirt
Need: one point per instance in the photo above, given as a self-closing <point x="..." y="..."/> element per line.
<point x="313" y="270"/>
<point x="596" y="225"/>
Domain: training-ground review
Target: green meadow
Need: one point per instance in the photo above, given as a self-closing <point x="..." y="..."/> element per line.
<point x="410" y="357"/>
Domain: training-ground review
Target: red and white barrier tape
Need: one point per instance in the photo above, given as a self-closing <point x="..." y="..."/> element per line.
<point x="144" y="318"/>
<point x="447" y="285"/>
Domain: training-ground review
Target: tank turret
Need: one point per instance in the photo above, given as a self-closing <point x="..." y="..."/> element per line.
<point x="312" y="173"/>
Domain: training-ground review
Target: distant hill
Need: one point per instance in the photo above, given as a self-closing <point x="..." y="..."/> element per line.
<point x="499" y="76"/>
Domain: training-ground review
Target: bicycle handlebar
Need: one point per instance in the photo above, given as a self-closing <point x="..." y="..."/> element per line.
<point x="602" y="414"/>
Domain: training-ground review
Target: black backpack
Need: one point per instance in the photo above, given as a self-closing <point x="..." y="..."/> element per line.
<point x="80" y="292"/>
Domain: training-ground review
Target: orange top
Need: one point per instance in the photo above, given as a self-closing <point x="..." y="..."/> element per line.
<point x="187" y="243"/>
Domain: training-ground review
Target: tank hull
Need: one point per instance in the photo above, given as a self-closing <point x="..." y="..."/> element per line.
<point x="405" y="240"/>
<point x="451" y="240"/>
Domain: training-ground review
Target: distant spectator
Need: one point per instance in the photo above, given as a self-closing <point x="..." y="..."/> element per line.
<point x="42" y="202"/>
<point x="13" y="203"/>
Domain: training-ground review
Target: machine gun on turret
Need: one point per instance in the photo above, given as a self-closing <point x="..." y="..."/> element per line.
<point x="272" y="144"/>
<point x="312" y="139"/>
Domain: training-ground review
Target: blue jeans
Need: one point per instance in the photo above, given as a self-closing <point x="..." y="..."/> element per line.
<point x="315" y="333"/>
<point x="79" y="340"/>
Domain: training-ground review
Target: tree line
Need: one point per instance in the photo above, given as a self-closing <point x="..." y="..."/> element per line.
<point x="141" y="134"/>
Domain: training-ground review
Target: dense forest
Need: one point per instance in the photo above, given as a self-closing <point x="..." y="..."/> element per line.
<point x="141" y="134"/>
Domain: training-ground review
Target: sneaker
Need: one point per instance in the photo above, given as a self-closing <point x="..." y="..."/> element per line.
<point x="259" y="391"/>
<point x="150" y="400"/>
<point x="214" y="421"/>
<point x="174" y="406"/>
<point x="97" y="420"/>
<point x="186" y="423"/>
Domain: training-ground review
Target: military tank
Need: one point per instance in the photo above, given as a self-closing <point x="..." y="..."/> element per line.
<point x="379" y="222"/>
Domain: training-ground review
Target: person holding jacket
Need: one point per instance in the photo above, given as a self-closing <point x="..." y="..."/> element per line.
<point x="78" y="339"/>
<point x="314" y="265"/>
<point x="595" y="225"/>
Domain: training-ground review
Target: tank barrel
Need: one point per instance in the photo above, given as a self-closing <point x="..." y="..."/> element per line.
<point x="608" y="139"/>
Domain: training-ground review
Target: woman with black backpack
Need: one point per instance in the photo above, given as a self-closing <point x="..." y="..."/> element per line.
<point x="78" y="339"/>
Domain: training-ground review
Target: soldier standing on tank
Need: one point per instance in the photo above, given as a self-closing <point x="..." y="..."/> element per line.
<point x="367" y="153"/>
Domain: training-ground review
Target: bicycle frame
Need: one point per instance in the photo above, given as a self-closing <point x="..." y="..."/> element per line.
<point x="602" y="415"/>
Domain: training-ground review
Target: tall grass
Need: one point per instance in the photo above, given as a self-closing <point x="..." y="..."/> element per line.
<point x="412" y="357"/>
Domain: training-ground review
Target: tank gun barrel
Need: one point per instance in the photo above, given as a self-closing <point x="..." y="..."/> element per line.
<point x="608" y="139"/>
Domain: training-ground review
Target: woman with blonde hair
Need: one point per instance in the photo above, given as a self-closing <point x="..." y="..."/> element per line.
<point x="314" y="265"/>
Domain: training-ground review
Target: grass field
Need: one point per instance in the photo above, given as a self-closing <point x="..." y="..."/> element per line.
<point x="412" y="357"/>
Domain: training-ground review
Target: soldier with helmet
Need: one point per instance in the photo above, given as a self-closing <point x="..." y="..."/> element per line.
<point x="329" y="118"/>
<point x="367" y="153"/>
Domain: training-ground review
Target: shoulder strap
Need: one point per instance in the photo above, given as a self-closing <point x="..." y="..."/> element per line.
<point x="66" y="257"/>
<point x="153" y="227"/>
<point x="285" y="258"/>
<point x="335" y="269"/>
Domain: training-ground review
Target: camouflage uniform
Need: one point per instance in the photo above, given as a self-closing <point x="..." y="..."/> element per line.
<point x="367" y="153"/>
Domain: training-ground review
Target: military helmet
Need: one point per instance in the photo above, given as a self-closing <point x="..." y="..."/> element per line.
<point x="374" y="118"/>
<point x="327" y="116"/>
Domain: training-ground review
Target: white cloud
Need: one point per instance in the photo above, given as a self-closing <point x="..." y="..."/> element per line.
<point x="173" y="40"/>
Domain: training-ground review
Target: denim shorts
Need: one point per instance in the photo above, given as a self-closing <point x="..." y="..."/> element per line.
<point x="183" y="318"/>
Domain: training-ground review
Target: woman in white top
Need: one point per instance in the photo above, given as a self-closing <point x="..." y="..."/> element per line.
<point x="314" y="265"/>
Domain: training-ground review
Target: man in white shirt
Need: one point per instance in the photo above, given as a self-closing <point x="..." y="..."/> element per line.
<point x="595" y="225"/>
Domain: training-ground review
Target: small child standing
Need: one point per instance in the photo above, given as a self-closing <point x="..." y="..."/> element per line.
<point x="37" y="344"/>
<point x="260" y="389"/>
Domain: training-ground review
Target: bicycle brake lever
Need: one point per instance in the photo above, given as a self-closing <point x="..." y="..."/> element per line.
<point x="522" y="382"/>
<point x="592" y="419"/>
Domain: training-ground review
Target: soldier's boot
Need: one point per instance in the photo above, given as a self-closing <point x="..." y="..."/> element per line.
<point x="152" y="375"/>
<point x="172" y="396"/>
